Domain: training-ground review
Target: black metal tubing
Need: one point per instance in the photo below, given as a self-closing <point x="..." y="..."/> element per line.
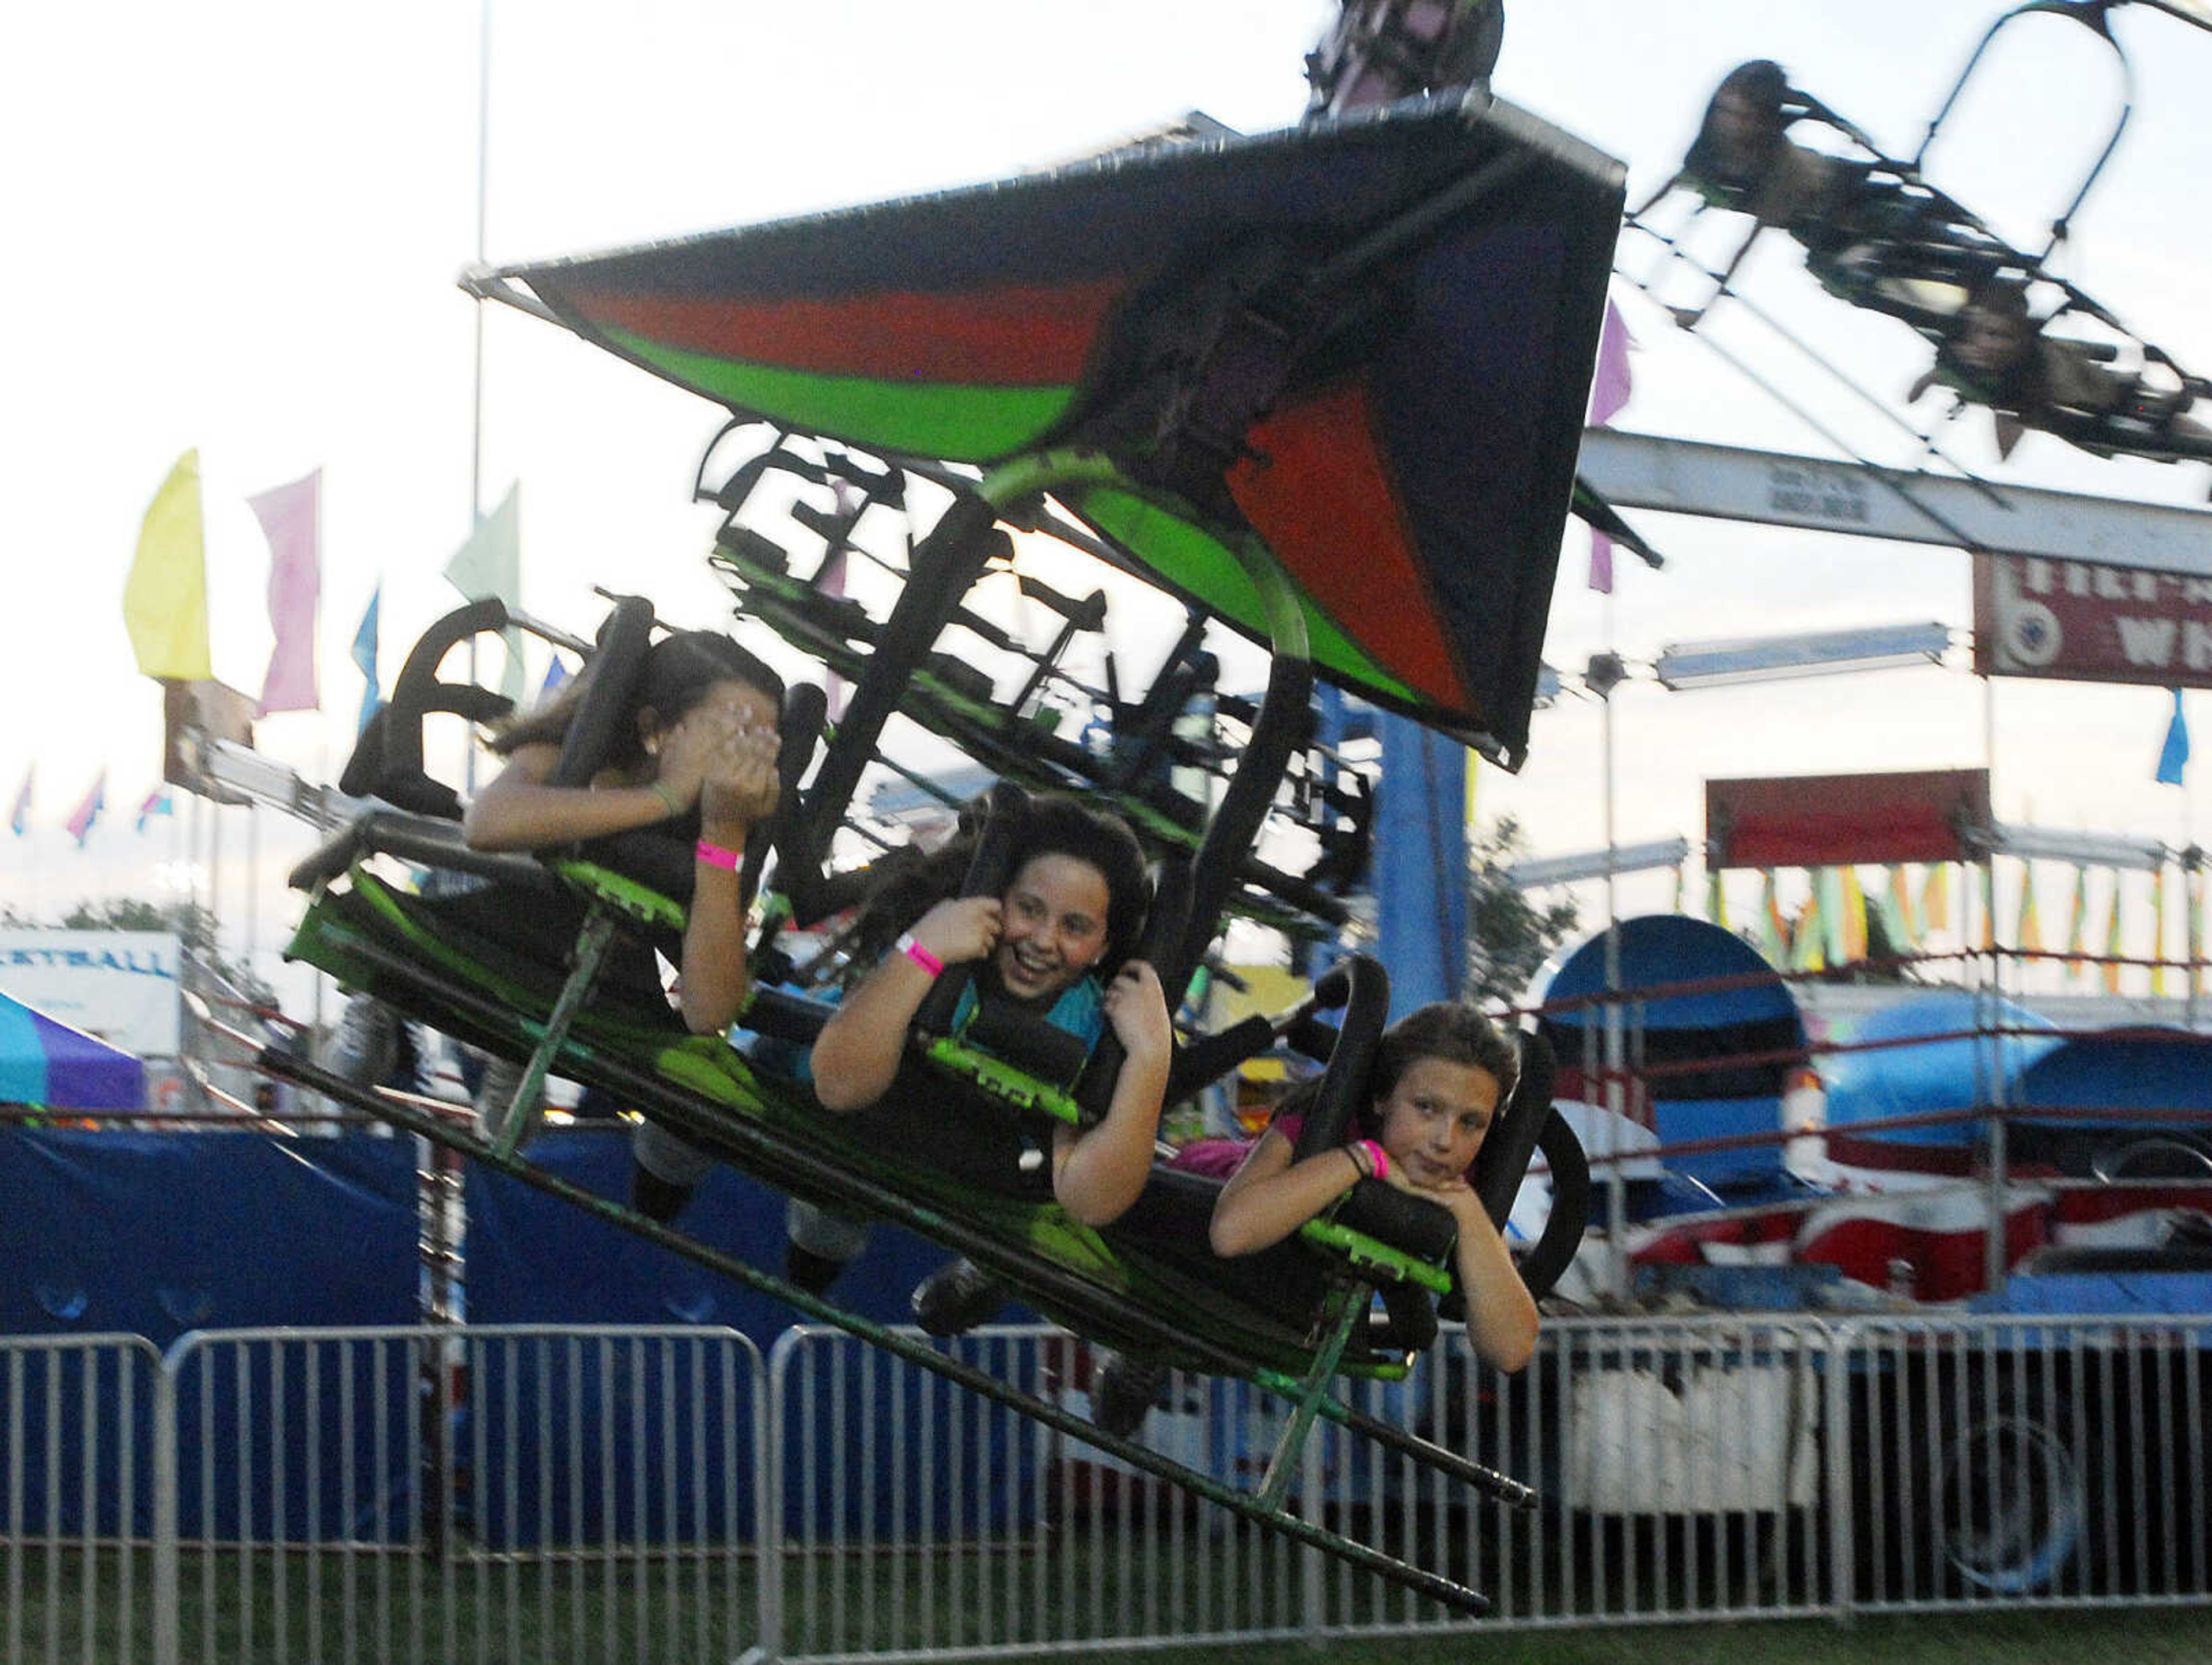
<point x="425" y="839"/>
<point x="1236" y="822"/>
<point x="776" y="1160"/>
<point x="2090" y="16"/>
<point x="944" y="566"/>
<point x="913" y="1352"/>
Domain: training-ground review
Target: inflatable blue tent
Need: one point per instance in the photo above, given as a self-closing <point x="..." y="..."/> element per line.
<point x="1943" y="1052"/>
<point x="1711" y="1036"/>
<point x="48" y="1063"/>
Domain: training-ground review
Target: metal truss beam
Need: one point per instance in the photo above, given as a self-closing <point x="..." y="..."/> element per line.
<point x="1688" y="476"/>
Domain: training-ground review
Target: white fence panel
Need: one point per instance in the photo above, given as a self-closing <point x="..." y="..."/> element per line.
<point x="591" y="1493"/>
<point x="79" y="1498"/>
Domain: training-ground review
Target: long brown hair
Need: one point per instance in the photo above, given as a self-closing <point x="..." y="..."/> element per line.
<point x="1449" y="1031"/>
<point x="1053" y="823"/>
<point x="678" y="671"/>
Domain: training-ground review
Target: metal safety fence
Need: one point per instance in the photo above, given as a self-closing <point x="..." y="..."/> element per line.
<point x="520" y="1493"/>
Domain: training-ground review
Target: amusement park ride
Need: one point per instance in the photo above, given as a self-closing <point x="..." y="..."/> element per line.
<point x="1323" y="387"/>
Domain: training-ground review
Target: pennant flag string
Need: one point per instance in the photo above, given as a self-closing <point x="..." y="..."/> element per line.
<point x="81" y="818"/>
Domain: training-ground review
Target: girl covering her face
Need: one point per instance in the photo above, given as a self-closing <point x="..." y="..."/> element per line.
<point x="699" y="741"/>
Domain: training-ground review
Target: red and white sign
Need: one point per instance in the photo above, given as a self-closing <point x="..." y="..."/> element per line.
<point x="2081" y="622"/>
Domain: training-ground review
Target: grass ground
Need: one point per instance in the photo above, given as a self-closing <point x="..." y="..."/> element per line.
<point x="68" y="1607"/>
<point x="2055" y="1638"/>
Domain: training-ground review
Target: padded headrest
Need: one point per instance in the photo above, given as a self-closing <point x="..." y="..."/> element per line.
<point x="1167" y="911"/>
<point x="614" y="671"/>
<point x="387" y="759"/>
<point x="1505" y="1153"/>
<point x="805" y="706"/>
<point x="1363" y="986"/>
<point x="990" y="869"/>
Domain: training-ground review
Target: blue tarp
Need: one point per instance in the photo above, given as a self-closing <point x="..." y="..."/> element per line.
<point x="533" y="1259"/>
<point x="157" y="1234"/>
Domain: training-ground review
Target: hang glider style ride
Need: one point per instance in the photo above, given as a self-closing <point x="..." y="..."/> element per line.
<point x="1326" y="388"/>
<point x="1879" y="235"/>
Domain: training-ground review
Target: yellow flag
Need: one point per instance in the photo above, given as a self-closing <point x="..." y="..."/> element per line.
<point x="1901" y="910"/>
<point x="2112" y="939"/>
<point x="2077" y="921"/>
<point x="1935" y="898"/>
<point x="2158" y="930"/>
<point x="1854" y="922"/>
<point x="2192" y="900"/>
<point x="2028" y="936"/>
<point x="1773" y="928"/>
<point x="1808" y="943"/>
<point x="165" y="598"/>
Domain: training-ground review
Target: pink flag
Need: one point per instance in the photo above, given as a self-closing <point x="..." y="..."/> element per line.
<point x="82" y="818"/>
<point x="291" y="519"/>
<point x="1609" y="389"/>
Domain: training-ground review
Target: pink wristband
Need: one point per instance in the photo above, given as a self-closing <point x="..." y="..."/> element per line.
<point x="920" y="955"/>
<point x="715" y="856"/>
<point x="1377" y="1159"/>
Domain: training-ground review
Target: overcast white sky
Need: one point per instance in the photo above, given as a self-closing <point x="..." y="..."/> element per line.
<point x="237" y="228"/>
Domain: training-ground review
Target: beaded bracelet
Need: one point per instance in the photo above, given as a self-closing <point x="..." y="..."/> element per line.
<point x="715" y="856"/>
<point x="920" y="955"/>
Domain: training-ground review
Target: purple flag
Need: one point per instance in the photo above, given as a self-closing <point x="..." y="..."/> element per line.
<point x="1610" y="385"/>
<point x="291" y="519"/>
<point x="1601" y="565"/>
<point x="1609" y="389"/>
<point x="82" y="818"/>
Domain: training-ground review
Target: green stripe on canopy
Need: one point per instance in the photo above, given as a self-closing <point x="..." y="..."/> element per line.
<point x="958" y="423"/>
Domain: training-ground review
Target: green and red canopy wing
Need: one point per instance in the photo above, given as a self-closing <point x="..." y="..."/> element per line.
<point x="1410" y="466"/>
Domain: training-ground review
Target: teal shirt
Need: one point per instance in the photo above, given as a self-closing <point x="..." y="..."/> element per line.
<point x="1080" y="1010"/>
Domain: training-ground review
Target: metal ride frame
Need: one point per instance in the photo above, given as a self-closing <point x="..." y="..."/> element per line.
<point x="1162" y="442"/>
<point x="944" y="566"/>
